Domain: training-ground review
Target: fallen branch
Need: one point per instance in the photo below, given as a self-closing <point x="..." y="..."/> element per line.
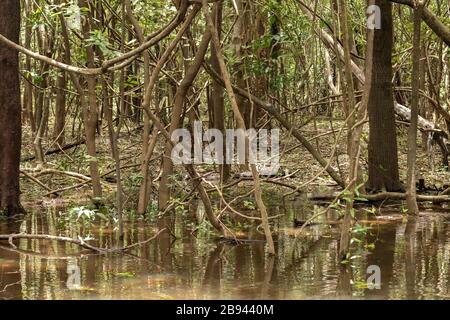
<point x="80" y="242"/>
<point x="41" y="172"/>
<point x="11" y="284"/>
<point x="38" y="182"/>
<point x="56" y="150"/>
<point x="277" y="182"/>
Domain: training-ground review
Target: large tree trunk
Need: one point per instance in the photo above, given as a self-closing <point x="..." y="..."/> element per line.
<point x="10" y="110"/>
<point x="383" y="159"/>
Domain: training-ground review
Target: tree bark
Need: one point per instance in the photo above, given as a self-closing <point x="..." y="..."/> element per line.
<point x="10" y="110"/>
<point x="383" y="158"/>
<point x="27" y="104"/>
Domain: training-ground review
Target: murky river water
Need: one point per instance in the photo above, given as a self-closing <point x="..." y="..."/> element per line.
<point x="414" y="260"/>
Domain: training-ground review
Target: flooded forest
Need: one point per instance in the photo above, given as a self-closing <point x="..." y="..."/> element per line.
<point x="224" y="149"/>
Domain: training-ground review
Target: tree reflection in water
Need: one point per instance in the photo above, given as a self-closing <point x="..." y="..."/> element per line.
<point x="413" y="256"/>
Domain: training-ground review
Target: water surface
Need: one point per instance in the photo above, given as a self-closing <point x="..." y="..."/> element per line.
<point x="413" y="257"/>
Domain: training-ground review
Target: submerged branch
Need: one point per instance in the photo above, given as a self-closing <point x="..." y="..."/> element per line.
<point x="80" y="241"/>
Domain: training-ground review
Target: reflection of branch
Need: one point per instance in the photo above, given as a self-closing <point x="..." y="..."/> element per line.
<point x="80" y="242"/>
<point x="228" y="205"/>
<point x="142" y="242"/>
<point x="45" y="256"/>
<point x="10" y="285"/>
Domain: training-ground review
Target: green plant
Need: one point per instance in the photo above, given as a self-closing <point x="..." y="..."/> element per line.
<point x="97" y="38"/>
<point x="84" y="215"/>
<point x="250" y="205"/>
<point x="3" y="215"/>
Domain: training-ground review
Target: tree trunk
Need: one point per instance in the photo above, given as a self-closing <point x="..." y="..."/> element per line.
<point x="60" y="107"/>
<point x="239" y="41"/>
<point x="176" y="120"/>
<point x="28" y="87"/>
<point x="90" y="112"/>
<point x="383" y="159"/>
<point x="217" y="97"/>
<point x="412" y="134"/>
<point x="144" y="194"/>
<point x="10" y="110"/>
<point x="354" y="135"/>
<point x="240" y="122"/>
<point x="42" y="105"/>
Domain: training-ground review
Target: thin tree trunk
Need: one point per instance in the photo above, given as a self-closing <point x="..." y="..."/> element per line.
<point x="28" y="87"/>
<point x="60" y="107"/>
<point x="149" y="88"/>
<point x="42" y="106"/>
<point x="177" y="110"/>
<point x="239" y="41"/>
<point x="90" y="113"/>
<point x="217" y="97"/>
<point x="353" y="137"/>
<point x="412" y="134"/>
<point x="241" y="125"/>
<point x="144" y="188"/>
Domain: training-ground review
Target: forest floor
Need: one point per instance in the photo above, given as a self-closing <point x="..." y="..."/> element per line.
<point x="296" y="162"/>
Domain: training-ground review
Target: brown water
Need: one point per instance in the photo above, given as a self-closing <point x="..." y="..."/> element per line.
<point x="414" y="259"/>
